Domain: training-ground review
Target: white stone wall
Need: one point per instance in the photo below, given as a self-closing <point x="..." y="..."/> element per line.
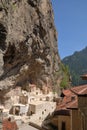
<point x="49" y="106"/>
<point x="41" y="111"/>
<point x="24" y="109"/>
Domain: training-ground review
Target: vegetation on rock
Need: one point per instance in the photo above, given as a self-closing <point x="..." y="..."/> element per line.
<point x="65" y="82"/>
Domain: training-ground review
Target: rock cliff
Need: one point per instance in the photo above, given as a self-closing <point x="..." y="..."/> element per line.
<point x="28" y="44"/>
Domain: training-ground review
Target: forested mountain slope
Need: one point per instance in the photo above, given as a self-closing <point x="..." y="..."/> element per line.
<point x="78" y="65"/>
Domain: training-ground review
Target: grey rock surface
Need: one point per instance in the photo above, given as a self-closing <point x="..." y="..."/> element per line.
<point x="28" y="44"/>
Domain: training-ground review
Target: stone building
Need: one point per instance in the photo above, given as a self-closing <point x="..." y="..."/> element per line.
<point x="19" y="109"/>
<point x="12" y="97"/>
<point x="23" y="99"/>
<point x="82" y="107"/>
<point x="39" y="110"/>
<point x="61" y="120"/>
<point x="71" y="113"/>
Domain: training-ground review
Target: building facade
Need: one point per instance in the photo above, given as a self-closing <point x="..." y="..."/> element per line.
<point x="71" y="112"/>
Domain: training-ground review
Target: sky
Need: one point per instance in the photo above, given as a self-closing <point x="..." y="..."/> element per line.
<point x="71" y="24"/>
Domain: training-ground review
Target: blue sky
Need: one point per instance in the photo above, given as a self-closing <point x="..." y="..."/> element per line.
<point x="71" y="24"/>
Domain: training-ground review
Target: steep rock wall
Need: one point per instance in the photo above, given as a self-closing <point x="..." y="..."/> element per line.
<point x="28" y="44"/>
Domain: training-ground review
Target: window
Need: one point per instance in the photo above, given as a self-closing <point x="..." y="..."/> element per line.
<point x="40" y="99"/>
<point x="42" y="112"/>
<point x="36" y="93"/>
<point x="39" y="118"/>
<point x="45" y="110"/>
<point x="63" y="126"/>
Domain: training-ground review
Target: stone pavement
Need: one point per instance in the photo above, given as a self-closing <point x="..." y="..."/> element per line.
<point x="26" y="127"/>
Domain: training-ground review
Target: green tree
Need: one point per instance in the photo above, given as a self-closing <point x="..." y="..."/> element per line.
<point x="65" y="82"/>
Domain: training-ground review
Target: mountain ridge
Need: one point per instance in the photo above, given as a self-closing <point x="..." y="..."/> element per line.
<point x="77" y="65"/>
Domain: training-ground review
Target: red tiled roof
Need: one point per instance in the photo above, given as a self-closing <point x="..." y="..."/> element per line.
<point x="8" y="125"/>
<point x="61" y="106"/>
<point x="70" y="100"/>
<point x="67" y="92"/>
<point x="73" y="104"/>
<point x="80" y="90"/>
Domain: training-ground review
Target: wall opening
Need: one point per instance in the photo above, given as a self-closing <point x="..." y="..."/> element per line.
<point x="63" y="126"/>
<point x="3" y="34"/>
<point x="42" y="112"/>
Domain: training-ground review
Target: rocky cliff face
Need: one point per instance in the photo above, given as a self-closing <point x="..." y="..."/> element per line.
<point x="28" y="44"/>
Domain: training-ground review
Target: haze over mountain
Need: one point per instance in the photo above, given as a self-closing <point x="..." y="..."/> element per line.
<point x="77" y="64"/>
